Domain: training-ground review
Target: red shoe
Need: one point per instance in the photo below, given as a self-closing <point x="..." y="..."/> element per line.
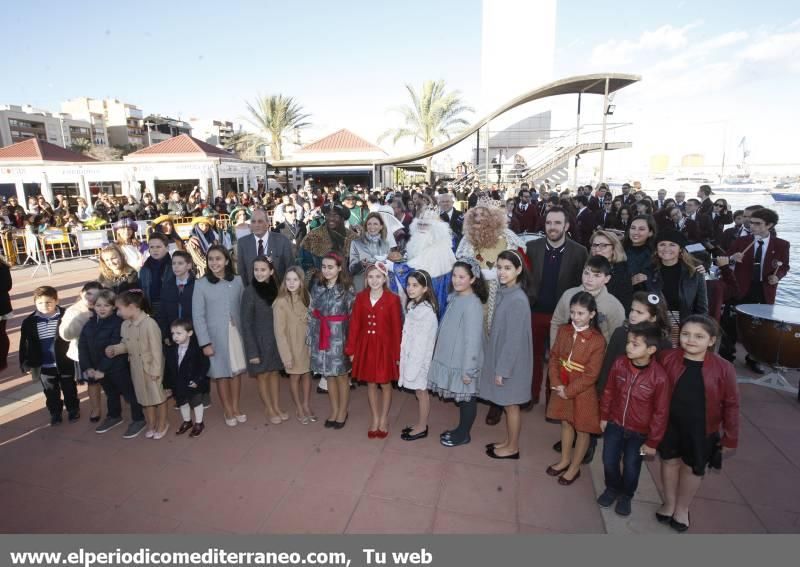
<point x="372" y="434"/>
<point x="381" y="434"/>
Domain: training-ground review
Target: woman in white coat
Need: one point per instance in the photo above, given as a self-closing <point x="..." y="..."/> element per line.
<point x="416" y="349"/>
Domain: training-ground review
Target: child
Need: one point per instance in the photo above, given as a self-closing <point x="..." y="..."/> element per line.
<point x="458" y="356"/>
<point x="332" y="298"/>
<point x="141" y="341"/>
<point x="633" y="415"/>
<point x="416" y="348"/>
<point x="260" y="347"/>
<point x="75" y="317"/>
<point x="610" y="312"/>
<point x="156" y="270"/>
<point x="508" y="359"/>
<point x="705" y="401"/>
<point x="290" y="321"/>
<point x="216" y="315"/>
<point x="43" y="353"/>
<point x="103" y="329"/>
<point x="186" y="370"/>
<point x="115" y="273"/>
<point x="575" y="360"/>
<point x="373" y="344"/>
<point x="176" y="303"/>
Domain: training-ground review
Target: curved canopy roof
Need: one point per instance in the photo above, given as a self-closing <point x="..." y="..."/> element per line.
<point x="592" y="84"/>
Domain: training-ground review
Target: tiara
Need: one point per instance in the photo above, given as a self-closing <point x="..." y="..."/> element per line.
<point x="484" y="201"/>
<point x="429" y="212"/>
<point x="475" y="268"/>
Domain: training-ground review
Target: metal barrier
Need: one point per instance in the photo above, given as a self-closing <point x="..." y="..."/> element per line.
<point x="21" y="247"/>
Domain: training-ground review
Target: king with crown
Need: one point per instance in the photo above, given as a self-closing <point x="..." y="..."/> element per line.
<point x="429" y="249"/>
<point x="486" y="234"/>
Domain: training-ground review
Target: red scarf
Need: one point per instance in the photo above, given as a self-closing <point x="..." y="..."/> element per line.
<point x="325" y="327"/>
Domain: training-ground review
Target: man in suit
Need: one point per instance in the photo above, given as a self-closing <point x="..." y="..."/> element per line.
<point x="705" y="230"/>
<point x="596" y="200"/>
<point x="706" y="204"/>
<point x="291" y="227"/>
<point x="452" y="217"/>
<point x="680" y="200"/>
<point x="525" y="217"/>
<point x="584" y="222"/>
<point x="557" y="266"/>
<point x="262" y="242"/>
<point x="605" y="217"/>
<point x="658" y="204"/>
<point x="761" y="260"/>
<point x="627" y="196"/>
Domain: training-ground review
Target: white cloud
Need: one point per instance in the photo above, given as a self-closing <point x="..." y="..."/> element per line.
<point x="666" y="37"/>
<point x="773" y="47"/>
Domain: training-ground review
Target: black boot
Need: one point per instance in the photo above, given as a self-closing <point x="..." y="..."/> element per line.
<point x="494" y="415"/>
<point x="587" y="458"/>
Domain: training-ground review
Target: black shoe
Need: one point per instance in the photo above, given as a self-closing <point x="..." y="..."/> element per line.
<point x="450" y="442"/>
<point x="587" y="458"/>
<point x="330" y="423"/>
<point x="407" y="428"/>
<point x="407" y="436"/>
<point x="321" y="391"/>
<point x="95" y="419"/>
<point x="56" y="419"/>
<point x="623" y="507"/>
<point x="607" y="498"/>
<point x="663" y="518"/>
<point x="494" y="415"/>
<point x="557" y="447"/>
<point x="340" y="424"/>
<point x="514" y="456"/>
<point x="678" y="526"/>
<point x="73" y="417"/>
<point x="445" y="434"/>
<point x="756" y="367"/>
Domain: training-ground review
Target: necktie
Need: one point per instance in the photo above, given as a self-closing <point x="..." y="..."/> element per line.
<point x="757" y="261"/>
<point x="180" y="294"/>
<point x="260" y="247"/>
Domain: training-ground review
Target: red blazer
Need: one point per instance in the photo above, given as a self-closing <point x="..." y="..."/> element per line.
<point x="527" y="221"/>
<point x="777" y="251"/>
<point x="722" y="393"/>
<point x="637" y="400"/>
<point x="373" y="339"/>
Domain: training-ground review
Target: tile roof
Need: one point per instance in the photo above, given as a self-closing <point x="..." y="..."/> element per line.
<point x="342" y="141"/>
<point x="183" y="144"/>
<point x="38" y="150"/>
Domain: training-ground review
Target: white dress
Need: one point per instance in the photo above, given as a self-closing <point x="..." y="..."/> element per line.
<point x="416" y="348"/>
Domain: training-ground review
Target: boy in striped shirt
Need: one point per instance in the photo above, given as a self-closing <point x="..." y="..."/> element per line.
<point x="43" y="353"/>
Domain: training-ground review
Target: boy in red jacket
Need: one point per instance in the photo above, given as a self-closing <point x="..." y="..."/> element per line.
<point x="633" y="415"/>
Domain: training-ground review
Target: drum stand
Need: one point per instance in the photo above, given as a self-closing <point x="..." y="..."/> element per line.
<point x="775" y="380"/>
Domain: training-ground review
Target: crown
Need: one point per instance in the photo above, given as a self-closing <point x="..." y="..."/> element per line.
<point x="485" y="201"/>
<point x="429" y="212"/>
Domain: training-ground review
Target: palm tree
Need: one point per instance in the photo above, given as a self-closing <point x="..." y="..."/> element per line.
<point x="80" y="145"/>
<point x="273" y="116"/>
<point x="433" y="116"/>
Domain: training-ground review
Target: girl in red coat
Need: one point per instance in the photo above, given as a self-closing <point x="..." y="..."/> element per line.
<point x="373" y="345"/>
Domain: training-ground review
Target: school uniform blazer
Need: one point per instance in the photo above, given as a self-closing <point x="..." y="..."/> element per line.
<point x="525" y="221"/>
<point x="777" y="251"/>
<point x="569" y="275"/>
<point x="278" y="248"/>
<point x="584" y="226"/>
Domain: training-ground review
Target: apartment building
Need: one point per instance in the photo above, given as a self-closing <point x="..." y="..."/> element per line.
<point x="158" y="128"/>
<point x="215" y="132"/>
<point x="19" y="123"/>
<point x="92" y="111"/>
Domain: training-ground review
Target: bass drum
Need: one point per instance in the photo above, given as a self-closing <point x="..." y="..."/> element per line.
<point x="770" y="333"/>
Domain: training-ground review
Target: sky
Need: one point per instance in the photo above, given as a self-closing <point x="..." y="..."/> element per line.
<point x="712" y="72"/>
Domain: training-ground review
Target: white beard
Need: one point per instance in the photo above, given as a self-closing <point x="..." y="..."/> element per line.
<point x="431" y="250"/>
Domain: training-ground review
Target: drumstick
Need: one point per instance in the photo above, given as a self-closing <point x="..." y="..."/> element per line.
<point x="748" y="247"/>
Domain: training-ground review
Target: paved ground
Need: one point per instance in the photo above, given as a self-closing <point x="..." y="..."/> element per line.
<point x="291" y="478"/>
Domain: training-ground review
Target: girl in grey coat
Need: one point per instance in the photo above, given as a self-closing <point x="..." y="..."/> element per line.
<point x="372" y="246"/>
<point x="332" y="298"/>
<point x="216" y="308"/>
<point x="260" y="346"/>
<point x="458" y="356"/>
<point x="508" y="357"/>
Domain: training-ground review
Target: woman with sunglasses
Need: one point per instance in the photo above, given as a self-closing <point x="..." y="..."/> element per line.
<point x="720" y="216"/>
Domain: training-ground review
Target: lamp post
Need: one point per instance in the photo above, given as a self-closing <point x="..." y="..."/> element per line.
<point x="603" y="140"/>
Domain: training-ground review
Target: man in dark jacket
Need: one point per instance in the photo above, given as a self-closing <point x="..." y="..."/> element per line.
<point x="451" y="216"/>
<point x="525" y="217"/>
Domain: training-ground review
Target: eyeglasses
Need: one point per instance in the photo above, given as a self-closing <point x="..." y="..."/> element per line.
<point x="600" y="245"/>
<point x="288" y="211"/>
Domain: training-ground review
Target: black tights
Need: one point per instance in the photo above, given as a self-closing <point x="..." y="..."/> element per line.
<point x="467" y="412"/>
<point x="4" y="345"/>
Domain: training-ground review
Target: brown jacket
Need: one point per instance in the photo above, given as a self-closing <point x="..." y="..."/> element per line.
<point x="569" y="275"/>
<point x="290" y="321"/>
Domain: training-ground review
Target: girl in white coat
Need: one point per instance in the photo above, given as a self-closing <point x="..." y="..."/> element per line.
<point x="416" y="349"/>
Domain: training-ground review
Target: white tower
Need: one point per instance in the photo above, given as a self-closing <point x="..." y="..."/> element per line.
<point x="518" y="41"/>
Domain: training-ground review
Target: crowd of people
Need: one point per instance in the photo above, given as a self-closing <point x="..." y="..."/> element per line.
<point x="399" y="288"/>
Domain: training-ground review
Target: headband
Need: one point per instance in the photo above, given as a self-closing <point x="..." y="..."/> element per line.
<point x="335" y="256"/>
<point x="473" y="265"/>
<point x="380" y="266"/>
<point x="424" y="275"/>
<point x="517" y="254"/>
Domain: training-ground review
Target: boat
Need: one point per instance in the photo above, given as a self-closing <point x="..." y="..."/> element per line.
<point x="740" y="185"/>
<point x="784" y="192"/>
